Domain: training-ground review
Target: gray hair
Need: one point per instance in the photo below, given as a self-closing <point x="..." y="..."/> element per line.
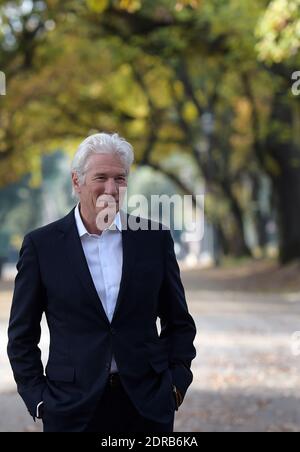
<point x="101" y="143"/>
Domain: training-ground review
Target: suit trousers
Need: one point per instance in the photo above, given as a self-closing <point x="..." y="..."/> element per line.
<point x="116" y="413"/>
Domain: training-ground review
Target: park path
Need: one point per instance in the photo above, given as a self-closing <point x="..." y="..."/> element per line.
<point x="246" y="377"/>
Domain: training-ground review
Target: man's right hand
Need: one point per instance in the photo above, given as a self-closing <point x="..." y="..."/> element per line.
<point x="178" y="397"/>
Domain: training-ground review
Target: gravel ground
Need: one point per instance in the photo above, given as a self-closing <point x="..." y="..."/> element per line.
<point x="246" y="376"/>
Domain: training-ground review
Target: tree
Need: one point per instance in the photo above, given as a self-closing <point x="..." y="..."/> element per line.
<point x="182" y="62"/>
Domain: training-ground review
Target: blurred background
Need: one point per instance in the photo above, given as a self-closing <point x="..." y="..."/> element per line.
<point x="208" y="93"/>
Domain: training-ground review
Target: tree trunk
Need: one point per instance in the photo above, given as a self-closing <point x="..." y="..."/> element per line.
<point x="287" y="189"/>
<point x="222" y="239"/>
<point x="260" y="217"/>
<point x="239" y="247"/>
<point x="283" y="148"/>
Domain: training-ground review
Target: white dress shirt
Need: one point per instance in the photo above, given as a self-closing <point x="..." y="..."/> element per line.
<point x="104" y="256"/>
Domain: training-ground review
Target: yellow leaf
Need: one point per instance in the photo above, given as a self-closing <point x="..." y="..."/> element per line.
<point x="98" y="5"/>
<point x="130" y="5"/>
<point x="190" y="112"/>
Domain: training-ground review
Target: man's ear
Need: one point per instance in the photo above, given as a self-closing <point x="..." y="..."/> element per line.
<point x="75" y="182"/>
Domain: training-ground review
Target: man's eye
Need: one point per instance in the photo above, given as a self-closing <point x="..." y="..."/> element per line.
<point x="101" y="178"/>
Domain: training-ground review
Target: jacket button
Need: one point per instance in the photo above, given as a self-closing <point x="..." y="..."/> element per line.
<point x="113" y="331"/>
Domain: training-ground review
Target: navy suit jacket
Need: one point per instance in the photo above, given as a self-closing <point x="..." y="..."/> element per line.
<point x="53" y="277"/>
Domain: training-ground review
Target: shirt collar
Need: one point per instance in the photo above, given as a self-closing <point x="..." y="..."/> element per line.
<point x="82" y="229"/>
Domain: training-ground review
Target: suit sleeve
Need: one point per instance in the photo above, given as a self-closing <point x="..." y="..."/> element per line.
<point x="177" y="325"/>
<point x="24" y="330"/>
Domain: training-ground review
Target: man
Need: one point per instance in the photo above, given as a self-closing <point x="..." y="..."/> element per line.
<point x="102" y="289"/>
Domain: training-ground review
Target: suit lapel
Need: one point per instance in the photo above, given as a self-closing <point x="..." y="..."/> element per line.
<point x="77" y="260"/>
<point x="129" y="252"/>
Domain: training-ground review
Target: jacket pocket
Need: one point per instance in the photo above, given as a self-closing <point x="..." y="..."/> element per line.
<point x="60" y="373"/>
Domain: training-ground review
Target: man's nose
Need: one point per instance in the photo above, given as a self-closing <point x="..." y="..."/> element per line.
<point x="111" y="187"/>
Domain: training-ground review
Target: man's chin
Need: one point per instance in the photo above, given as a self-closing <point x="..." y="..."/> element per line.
<point x="113" y="209"/>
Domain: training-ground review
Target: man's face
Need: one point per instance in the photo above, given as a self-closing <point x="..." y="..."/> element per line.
<point x="105" y="175"/>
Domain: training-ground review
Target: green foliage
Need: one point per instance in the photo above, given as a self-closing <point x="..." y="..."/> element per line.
<point x="98" y="6"/>
<point x="152" y="71"/>
<point x="278" y="31"/>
